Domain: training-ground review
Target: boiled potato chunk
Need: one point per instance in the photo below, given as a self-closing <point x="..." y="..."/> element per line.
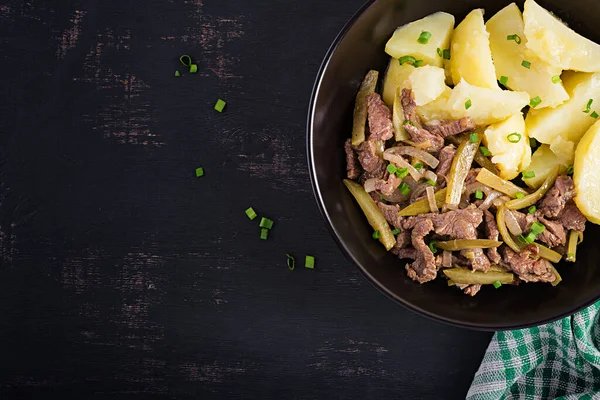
<point x="486" y="105"/>
<point x="543" y="162"/>
<point x="508" y="55"/>
<point x="427" y="84"/>
<point x="585" y="174"/>
<point x="556" y="43"/>
<point x="510" y="158"/>
<point x="471" y="58"/>
<point x="567" y="120"/>
<point x="404" y="40"/>
<point x="396" y="76"/>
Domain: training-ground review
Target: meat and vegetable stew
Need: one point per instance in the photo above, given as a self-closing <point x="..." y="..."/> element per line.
<point x="441" y="162"/>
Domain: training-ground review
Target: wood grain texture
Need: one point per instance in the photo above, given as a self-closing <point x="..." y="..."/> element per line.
<point x="124" y="276"/>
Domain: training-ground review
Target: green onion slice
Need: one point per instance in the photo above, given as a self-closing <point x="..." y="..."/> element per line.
<point x="570" y="170"/>
<point x="186" y="60"/>
<point x="497" y="284"/>
<point x="220" y="105"/>
<point x="309" y="262"/>
<point x="199" y="172"/>
<point x="532" y="210"/>
<point x="391" y="168"/>
<point x="251" y="213"/>
<point x="514" y="137"/>
<point x="177" y="73"/>
<point x="556" y="79"/>
<point x="588" y="106"/>
<point x="473" y="138"/>
<point x="401" y="172"/>
<point x="404" y="188"/>
<point x="418" y="167"/>
<point x="537" y="228"/>
<point x="193" y="68"/>
<point x="519" y="195"/>
<point x="484" y="151"/>
<point x="407" y="59"/>
<point x="432" y="183"/>
<point x="528" y="174"/>
<point x="266" y="223"/>
<point x="424" y="37"/>
<point x="526" y="64"/>
<point x="504" y="80"/>
<point x="418" y="63"/>
<point x="375" y="235"/>
<point x="478" y="194"/>
<point x="439" y="52"/>
<point x="432" y="247"/>
<point x="594" y="114"/>
<point x="446" y="54"/>
<point x="264" y="233"/>
<point x="396" y="232"/>
<point x="468" y="104"/>
<point x="533" y="103"/>
<point x="514" y="37"/>
<point x="291" y="262"/>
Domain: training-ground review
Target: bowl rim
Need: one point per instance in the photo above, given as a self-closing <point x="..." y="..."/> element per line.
<point x="324" y="213"/>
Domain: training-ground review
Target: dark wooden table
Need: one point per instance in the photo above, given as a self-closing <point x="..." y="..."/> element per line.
<point x="122" y="275"/>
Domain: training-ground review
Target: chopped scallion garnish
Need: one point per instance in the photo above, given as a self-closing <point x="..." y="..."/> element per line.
<point x="532" y="210"/>
<point x="556" y="79"/>
<point x="473" y="138"/>
<point x="570" y="256"/>
<point x="484" y="151"/>
<point x="588" y="106"/>
<point x="199" y="172"/>
<point x="401" y="172"/>
<point x="439" y="52"/>
<point x="497" y="284"/>
<point x="594" y="115"/>
<point x="528" y="174"/>
<point x="432" y="183"/>
<point x="177" y="73"/>
<point x="291" y="262"/>
<point x="432" y="246"/>
<point x="266" y="223"/>
<point x="418" y="166"/>
<point x="468" y="104"/>
<point x="391" y="168"/>
<point x="185" y="60"/>
<point x="526" y="64"/>
<point x="535" y="102"/>
<point x="532" y="142"/>
<point x="193" y="68"/>
<point x="396" y="232"/>
<point x="309" y="262"/>
<point x="264" y="233"/>
<point x="570" y="170"/>
<point x="251" y="213"/>
<point x="537" y="228"/>
<point x="478" y="194"/>
<point x="519" y="195"/>
<point x="375" y="235"/>
<point x="504" y="80"/>
<point x="514" y="37"/>
<point x="404" y="188"/>
<point x="220" y="105"/>
<point x="407" y="59"/>
<point x="514" y="137"/>
<point x="446" y="54"/>
<point x="424" y="37"/>
<point x="418" y="63"/>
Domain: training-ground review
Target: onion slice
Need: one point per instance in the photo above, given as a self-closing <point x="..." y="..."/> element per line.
<point x="430" y="175"/>
<point x="414" y="152"/>
<point x="402" y="163"/>
<point x="511" y="223"/>
<point x="370" y="185"/>
<point x="431" y="199"/>
<point x="489" y="199"/>
<point x="447" y="259"/>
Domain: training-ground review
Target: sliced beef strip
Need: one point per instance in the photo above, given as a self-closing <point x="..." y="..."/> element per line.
<point x="492" y="233"/>
<point x="449" y="128"/>
<point x="554" y="234"/>
<point x="406" y="252"/>
<point x="571" y="218"/>
<point x="527" y="265"/>
<point x="472" y="176"/>
<point x="352" y="165"/>
<point x="445" y="157"/>
<point x="557" y="197"/>
<point x="423" y="269"/>
<point x="416" y="131"/>
<point x="389" y="185"/>
<point x="371" y="160"/>
<point x="380" y="118"/>
<point x="390" y="213"/>
<point x="472" y="290"/>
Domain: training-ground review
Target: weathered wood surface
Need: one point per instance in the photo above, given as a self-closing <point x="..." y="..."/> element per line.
<point x="122" y="275"/>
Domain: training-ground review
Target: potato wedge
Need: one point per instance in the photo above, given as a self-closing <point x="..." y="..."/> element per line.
<point x="510" y="158"/>
<point x="427" y="84"/>
<point x="551" y="40"/>
<point x="404" y="40"/>
<point x="508" y="55"/>
<point x="437" y="109"/>
<point x="543" y="163"/>
<point x="395" y="77"/>
<point x="585" y="174"/>
<point x="567" y="120"/>
<point x="487" y="105"/>
<point x="471" y="57"/>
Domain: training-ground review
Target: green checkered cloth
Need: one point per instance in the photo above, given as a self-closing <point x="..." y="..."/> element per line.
<point x="559" y="360"/>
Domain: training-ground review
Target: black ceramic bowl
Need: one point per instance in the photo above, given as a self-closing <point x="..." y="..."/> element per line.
<point x="360" y="47"/>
